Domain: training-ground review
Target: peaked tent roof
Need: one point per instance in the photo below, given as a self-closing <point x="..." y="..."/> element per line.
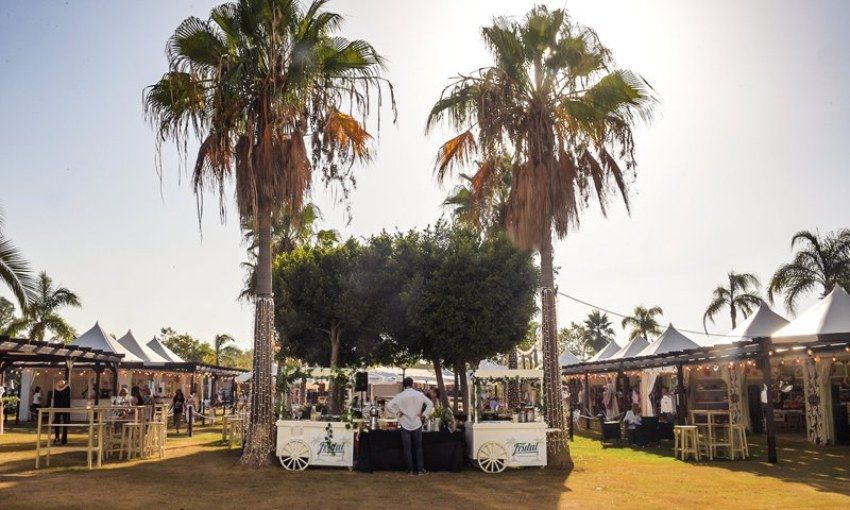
<point x="829" y="315"/>
<point x="669" y="341"/>
<point x="97" y="338"/>
<point x="606" y="352"/>
<point x="158" y="347"/>
<point x="764" y="322"/>
<point x="567" y="358"/>
<point x="631" y="349"/>
<point x="486" y="364"/>
<point x="142" y="351"/>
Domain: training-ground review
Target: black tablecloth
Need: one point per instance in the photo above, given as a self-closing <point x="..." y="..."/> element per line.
<point x="382" y="450"/>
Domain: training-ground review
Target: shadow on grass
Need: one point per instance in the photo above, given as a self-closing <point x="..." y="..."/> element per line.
<point x="824" y="468"/>
<point x="200" y="473"/>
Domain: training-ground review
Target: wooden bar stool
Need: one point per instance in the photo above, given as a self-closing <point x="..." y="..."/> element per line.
<point x="132" y="437"/>
<point x="687" y="441"/>
<point x="738" y="440"/>
<point x="236" y="432"/>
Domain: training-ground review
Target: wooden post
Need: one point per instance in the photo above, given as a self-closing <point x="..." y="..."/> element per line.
<point x="97" y="370"/>
<point x="586" y="399"/>
<point x="766" y="375"/>
<point x="570" y="406"/>
<point x="69" y="364"/>
<point x="115" y="379"/>
<point x="681" y="397"/>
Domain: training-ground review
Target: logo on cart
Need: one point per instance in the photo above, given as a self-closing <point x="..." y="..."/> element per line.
<point x="525" y="450"/>
<point x="330" y="449"/>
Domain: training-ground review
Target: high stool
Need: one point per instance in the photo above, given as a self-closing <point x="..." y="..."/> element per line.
<point x="687" y="441"/>
<point x="132" y="437"/>
<point x="738" y="439"/>
<point x="236" y="433"/>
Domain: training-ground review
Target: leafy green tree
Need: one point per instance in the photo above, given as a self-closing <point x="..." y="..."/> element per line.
<point x="265" y="85"/>
<point x="15" y="272"/>
<point x="552" y="100"/>
<point x="643" y="322"/>
<point x="741" y="294"/>
<point x="599" y="329"/>
<point x="578" y="340"/>
<point x="820" y="263"/>
<point x="42" y="314"/>
<point x="187" y="347"/>
<point x="7" y="313"/>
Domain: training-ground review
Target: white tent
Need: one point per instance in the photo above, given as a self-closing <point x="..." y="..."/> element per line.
<point x="567" y="358"/>
<point x="764" y="322"/>
<point x="142" y="351"/>
<point x="486" y="364"/>
<point x="669" y="341"/>
<point x="631" y="349"/>
<point x="164" y="352"/>
<point x="606" y="352"/>
<point x="97" y="338"/>
<point x="829" y="315"/>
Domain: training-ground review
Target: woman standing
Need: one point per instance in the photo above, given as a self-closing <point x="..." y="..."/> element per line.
<point x="36" y="403"/>
<point x="62" y="400"/>
<point x="177" y="407"/>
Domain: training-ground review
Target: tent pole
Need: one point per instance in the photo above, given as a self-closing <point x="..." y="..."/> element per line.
<point x="682" y="401"/>
<point x="764" y="364"/>
<point x="586" y="402"/>
<point x="97" y="370"/>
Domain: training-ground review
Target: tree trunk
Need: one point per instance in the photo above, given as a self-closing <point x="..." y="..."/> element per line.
<point x="335" y="335"/>
<point x="558" y="449"/>
<point x="464" y="390"/>
<point x="259" y="436"/>
<point x="734" y="314"/>
<point x="513" y="385"/>
<point x="456" y="368"/>
<point x="441" y="385"/>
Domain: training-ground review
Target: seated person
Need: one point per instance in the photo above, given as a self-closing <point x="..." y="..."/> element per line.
<point x="632" y="420"/>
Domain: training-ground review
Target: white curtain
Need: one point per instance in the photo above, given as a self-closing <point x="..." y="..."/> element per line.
<point x="738" y="409"/>
<point x="647" y="383"/>
<point x="818" y="401"/>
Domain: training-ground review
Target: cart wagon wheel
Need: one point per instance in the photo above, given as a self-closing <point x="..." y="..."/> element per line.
<point x="295" y="455"/>
<point x="492" y="457"/>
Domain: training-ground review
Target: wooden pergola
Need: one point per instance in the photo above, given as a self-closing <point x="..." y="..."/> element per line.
<point x="761" y="350"/>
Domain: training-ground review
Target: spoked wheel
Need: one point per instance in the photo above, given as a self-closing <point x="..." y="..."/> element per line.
<point x="295" y="455"/>
<point x="492" y="457"/>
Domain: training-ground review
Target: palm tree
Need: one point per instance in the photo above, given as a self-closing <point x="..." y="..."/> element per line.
<point x="488" y="213"/>
<point x="288" y="232"/>
<point x="42" y="314"/>
<point x="220" y="344"/>
<point x="643" y="322"/>
<point x="741" y="294"/>
<point x="820" y="263"/>
<point x="14" y="270"/>
<point x="265" y="86"/>
<point x="553" y="102"/>
<point x="599" y="329"/>
<point x="7" y="313"/>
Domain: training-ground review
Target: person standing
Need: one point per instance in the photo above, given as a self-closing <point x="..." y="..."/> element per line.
<point x="177" y="404"/>
<point x="62" y="400"/>
<point x="633" y="420"/>
<point x="36" y="403"/>
<point x="411" y="406"/>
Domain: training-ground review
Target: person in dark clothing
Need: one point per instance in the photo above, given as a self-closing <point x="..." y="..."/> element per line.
<point x="62" y="400"/>
<point x="177" y="404"/>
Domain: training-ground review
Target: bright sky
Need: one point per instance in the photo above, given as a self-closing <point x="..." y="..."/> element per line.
<point x="750" y="146"/>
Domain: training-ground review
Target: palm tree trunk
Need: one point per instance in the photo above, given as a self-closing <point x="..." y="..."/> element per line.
<point x="259" y="438"/>
<point x="734" y="314"/>
<point x="513" y="386"/>
<point x="335" y="334"/>
<point x="558" y="449"/>
<point x="441" y="385"/>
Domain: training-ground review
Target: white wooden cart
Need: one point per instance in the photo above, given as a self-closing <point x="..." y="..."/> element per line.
<point x="497" y="445"/>
<point x="302" y="443"/>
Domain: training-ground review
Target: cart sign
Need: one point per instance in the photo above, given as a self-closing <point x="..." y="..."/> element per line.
<point x="523" y="452"/>
<point x="329" y="451"/>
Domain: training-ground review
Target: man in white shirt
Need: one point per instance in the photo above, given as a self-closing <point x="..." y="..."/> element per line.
<point x="633" y="420"/>
<point x="411" y="406"/>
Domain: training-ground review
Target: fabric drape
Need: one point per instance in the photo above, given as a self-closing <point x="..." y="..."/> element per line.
<point x="818" y="400"/>
<point x="647" y="383"/>
<point x="733" y="377"/>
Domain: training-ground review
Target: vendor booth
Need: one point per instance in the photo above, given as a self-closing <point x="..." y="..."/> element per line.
<point x="499" y="437"/>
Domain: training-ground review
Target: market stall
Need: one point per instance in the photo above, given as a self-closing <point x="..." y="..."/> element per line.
<point x="302" y="443"/>
<point x="499" y="437"/>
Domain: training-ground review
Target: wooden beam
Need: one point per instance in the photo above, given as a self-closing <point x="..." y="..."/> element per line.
<point x="681" y="397"/>
<point x="764" y="364"/>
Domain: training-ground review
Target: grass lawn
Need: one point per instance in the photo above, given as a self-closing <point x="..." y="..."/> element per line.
<point x="201" y="473"/>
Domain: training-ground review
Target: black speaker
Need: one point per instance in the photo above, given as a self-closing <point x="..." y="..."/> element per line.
<point x="361" y="381"/>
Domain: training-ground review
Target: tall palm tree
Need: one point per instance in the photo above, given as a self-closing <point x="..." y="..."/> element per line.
<point x="7" y="313"/>
<point x="42" y="314"/>
<point x="219" y="344"/>
<point x="740" y="295"/>
<point x="273" y="95"/>
<point x="599" y="329"/>
<point x="643" y="322"/>
<point x="554" y="102"/>
<point x="820" y="263"/>
<point x="487" y="214"/>
<point x="15" y="272"/>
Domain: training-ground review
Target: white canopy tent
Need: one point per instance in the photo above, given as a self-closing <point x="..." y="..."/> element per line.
<point x="567" y="358"/>
<point x="631" y="349"/>
<point x="142" y="351"/>
<point x="669" y="341"/>
<point x="486" y="364"/>
<point x="609" y="350"/>
<point x="829" y="315"/>
<point x="164" y="352"/>
<point x="97" y="338"/>
<point x="763" y="323"/>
